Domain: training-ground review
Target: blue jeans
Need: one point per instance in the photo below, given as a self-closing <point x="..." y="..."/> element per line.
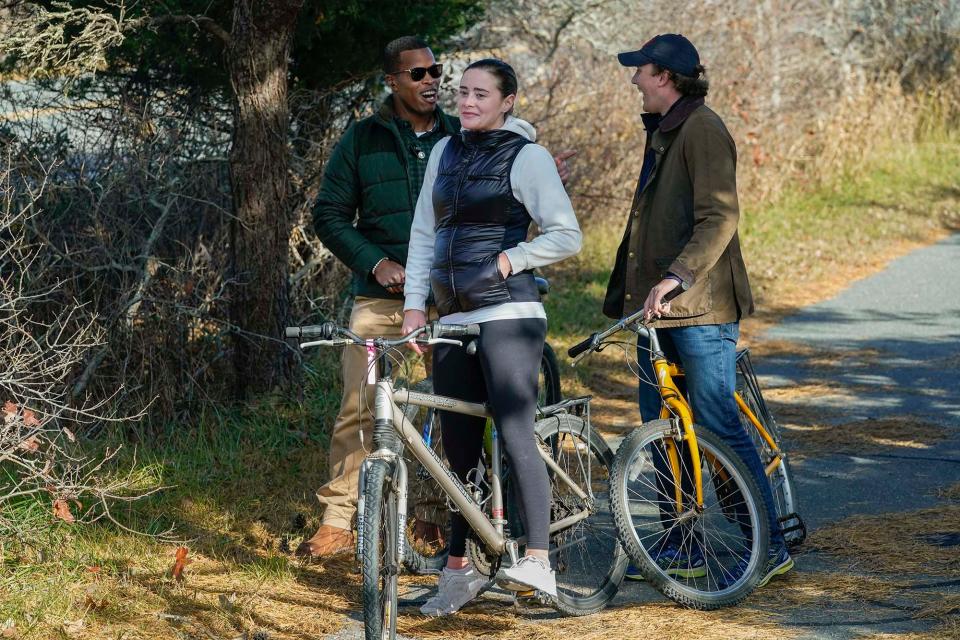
<point x="708" y="354"/>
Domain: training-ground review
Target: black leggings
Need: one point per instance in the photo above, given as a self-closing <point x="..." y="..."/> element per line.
<point x="503" y="372"/>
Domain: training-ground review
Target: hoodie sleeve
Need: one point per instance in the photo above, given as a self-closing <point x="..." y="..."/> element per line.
<point x="420" y="252"/>
<point x="537" y="185"/>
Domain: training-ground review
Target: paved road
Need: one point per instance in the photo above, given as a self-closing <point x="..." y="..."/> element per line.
<point x="897" y="335"/>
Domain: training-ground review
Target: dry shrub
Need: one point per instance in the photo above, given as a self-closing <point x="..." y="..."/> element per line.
<point x="809" y="90"/>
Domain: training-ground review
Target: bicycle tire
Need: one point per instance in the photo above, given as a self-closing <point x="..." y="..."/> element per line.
<point x="425" y="500"/>
<point x="726" y="571"/>
<point x="548" y="382"/>
<point x="587" y="557"/>
<point x="781" y="480"/>
<point x="380" y="566"/>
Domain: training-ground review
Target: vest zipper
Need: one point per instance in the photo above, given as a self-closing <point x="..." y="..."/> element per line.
<point x="453" y="234"/>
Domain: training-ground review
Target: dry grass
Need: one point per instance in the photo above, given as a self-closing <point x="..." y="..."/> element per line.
<point x="901" y="543"/>
<point x="951" y="493"/>
<point x="654" y="620"/>
<point x="865" y="436"/>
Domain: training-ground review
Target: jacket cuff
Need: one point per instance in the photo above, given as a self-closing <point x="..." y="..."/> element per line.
<point x="415" y="302"/>
<point x="678" y="269"/>
<point x="367" y="259"/>
<point x="517" y="258"/>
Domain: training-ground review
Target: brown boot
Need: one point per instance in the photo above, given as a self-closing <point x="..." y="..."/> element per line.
<point x="327" y="541"/>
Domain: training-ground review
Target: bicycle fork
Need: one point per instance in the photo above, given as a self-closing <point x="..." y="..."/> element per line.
<point x="388" y="447"/>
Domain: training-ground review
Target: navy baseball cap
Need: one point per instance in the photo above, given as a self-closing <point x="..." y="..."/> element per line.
<point x="669" y="50"/>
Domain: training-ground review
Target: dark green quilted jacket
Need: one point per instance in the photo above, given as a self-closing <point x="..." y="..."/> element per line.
<point x="366" y="182"/>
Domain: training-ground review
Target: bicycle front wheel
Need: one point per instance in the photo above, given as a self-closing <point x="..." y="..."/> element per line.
<point x="380" y="564"/>
<point x="704" y="557"/>
<point x="585" y="553"/>
<point x="548" y="381"/>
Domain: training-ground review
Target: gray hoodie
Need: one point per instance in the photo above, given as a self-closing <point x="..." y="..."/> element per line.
<point x="535" y="183"/>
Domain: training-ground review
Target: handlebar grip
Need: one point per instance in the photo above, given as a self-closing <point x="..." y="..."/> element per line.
<point x="580" y="347"/>
<point x="439" y="330"/>
<point x="325" y="331"/>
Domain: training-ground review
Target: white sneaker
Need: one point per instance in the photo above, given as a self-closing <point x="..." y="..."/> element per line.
<point x="456" y="588"/>
<point x="529" y="573"/>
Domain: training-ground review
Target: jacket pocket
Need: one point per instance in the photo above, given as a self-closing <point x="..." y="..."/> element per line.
<point x="443" y="294"/>
<point x="480" y="284"/>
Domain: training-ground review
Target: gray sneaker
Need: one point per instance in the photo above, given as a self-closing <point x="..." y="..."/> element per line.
<point x="454" y="590"/>
<point x="529" y="573"/>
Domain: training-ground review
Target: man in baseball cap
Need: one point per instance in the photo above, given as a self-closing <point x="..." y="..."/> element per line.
<point x="680" y="262"/>
<point x="669" y="50"/>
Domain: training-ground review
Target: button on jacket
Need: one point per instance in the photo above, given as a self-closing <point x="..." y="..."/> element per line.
<point x="683" y="221"/>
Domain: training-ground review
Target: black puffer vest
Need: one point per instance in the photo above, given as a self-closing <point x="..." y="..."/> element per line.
<point x="477" y="217"/>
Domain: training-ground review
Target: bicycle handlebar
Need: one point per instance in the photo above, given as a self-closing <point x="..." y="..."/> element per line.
<point x="634" y="322"/>
<point x="327" y="331"/>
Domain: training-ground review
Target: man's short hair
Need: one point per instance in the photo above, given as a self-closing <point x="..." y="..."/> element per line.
<point x="391" y="53"/>
<point x="691" y="86"/>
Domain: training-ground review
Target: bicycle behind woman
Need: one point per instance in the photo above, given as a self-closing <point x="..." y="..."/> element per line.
<point x="482" y="190"/>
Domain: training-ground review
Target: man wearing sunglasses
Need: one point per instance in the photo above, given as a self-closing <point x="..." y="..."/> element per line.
<point x="374" y="177"/>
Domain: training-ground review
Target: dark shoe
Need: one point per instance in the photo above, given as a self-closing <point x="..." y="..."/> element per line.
<point x="778" y="563"/>
<point x="675" y="563"/>
<point x="327" y="541"/>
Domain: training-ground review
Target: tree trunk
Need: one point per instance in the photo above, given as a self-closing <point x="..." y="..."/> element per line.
<point x="260" y="303"/>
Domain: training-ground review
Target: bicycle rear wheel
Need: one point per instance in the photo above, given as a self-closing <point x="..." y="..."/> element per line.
<point x="428" y="517"/>
<point x="586" y="555"/>
<point x="380" y="564"/>
<point x="704" y="558"/>
<point x="548" y="382"/>
<point x="781" y="478"/>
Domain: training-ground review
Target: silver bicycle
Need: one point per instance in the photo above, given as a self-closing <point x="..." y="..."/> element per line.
<point x="584" y="550"/>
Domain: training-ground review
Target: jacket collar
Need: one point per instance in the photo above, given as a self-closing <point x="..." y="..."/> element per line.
<point x="387" y="115"/>
<point x="675" y="116"/>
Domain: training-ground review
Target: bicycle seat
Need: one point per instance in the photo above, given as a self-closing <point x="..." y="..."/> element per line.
<point x="543" y="285"/>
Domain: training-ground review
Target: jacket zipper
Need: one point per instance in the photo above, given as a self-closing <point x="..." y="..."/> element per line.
<point x="453" y="234"/>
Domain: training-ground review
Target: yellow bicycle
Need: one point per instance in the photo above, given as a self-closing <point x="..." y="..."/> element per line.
<point x="688" y="510"/>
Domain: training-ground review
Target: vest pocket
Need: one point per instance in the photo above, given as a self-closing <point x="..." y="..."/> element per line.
<point x="480" y="284"/>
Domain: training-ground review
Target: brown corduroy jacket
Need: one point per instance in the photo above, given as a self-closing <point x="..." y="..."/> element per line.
<point x="683" y="221"/>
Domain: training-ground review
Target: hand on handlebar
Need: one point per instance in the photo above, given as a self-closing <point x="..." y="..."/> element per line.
<point x="413" y="319"/>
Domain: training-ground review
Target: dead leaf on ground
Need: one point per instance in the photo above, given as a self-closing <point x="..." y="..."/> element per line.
<point x="74" y="627"/>
<point x="30" y="444"/>
<point x="179" y="563"/>
<point x="61" y="509"/>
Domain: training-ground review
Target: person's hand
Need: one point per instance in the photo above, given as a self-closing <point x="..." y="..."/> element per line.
<point x="390" y="276"/>
<point x="503" y="263"/>
<point x="561" y="160"/>
<point x="413" y="319"/>
<point x="655" y="306"/>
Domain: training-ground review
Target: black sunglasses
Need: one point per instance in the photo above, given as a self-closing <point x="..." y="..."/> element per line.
<point x="417" y="73"/>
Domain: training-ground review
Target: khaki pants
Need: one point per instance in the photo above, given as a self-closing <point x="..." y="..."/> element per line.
<point x="370" y="317"/>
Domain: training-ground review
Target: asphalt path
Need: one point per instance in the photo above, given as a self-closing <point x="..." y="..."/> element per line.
<point x="896" y="336"/>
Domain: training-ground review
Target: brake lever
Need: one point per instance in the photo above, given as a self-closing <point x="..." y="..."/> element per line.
<point x="338" y="342"/>
<point x="441" y="341"/>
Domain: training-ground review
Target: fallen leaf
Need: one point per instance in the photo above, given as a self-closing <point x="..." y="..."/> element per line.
<point x="69" y="434"/>
<point x="93" y="569"/>
<point x="61" y="509"/>
<point x="180" y="562"/>
<point x="30" y="444"/>
<point x="30" y="418"/>
<point x="8" y="630"/>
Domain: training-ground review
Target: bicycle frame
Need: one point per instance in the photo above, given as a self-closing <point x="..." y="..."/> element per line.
<point x="390" y="419"/>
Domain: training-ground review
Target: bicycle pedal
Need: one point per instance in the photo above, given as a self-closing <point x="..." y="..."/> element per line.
<point x="534" y="597"/>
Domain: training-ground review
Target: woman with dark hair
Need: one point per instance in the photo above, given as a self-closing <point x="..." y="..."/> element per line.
<point x="468" y="243"/>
